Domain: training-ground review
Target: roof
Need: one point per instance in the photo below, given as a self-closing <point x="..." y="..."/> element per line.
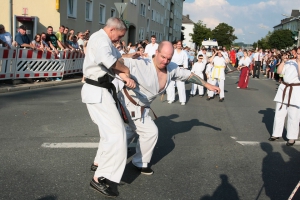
<point x="186" y="19"/>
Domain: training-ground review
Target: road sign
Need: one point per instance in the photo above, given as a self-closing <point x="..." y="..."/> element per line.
<point x="120" y="7"/>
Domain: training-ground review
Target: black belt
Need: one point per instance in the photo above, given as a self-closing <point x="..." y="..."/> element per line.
<point x="180" y="65"/>
<point x="105" y="83"/>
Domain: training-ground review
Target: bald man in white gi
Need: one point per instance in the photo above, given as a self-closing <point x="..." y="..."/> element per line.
<point x="152" y="47"/>
<point x="152" y="77"/>
<point x="287" y="99"/>
<point x="102" y="57"/>
<point x="181" y="59"/>
<point x="218" y="74"/>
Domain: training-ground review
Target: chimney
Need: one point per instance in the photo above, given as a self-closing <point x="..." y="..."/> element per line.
<point x="188" y="16"/>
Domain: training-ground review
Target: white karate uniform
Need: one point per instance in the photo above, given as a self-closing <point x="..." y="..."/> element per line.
<point x="151" y="49"/>
<point x="198" y="69"/>
<point x="290" y="72"/>
<point x="208" y="71"/>
<point x="218" y="74"/>
<point x="180" y="59"/>
<point x="144" y="73"/>
<point x="112" y="150"/>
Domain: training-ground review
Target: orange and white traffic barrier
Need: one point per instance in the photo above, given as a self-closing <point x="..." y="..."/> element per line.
<point x="73" y="62"/>
<point x="7" y="63"/>
<point x="38" y="64"/>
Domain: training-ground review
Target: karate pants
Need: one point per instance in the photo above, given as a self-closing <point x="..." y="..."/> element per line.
<point x="293" y="113"/>
<point x="148" y="135"/>
<point x="220" y="83"/>
<point x="181" y="91"/>
<point x="112" y="150"/>
<point x="199" y="87"/>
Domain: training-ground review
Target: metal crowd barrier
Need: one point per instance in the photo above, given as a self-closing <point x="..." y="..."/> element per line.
<point x="18" y="63"/>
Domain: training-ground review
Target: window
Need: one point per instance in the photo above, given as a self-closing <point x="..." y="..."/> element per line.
<point x="141" y="34"/>
<point x="153" y="15"/>
<point x="133" y="1"/>
<point x="143" y="9"/>
<point x="72" y="8"/>
<point x="112" y="12"/>
<point x="89" y="10"/>
<point x="149" y="5"/>
<point x="102" y="14"/>
<point x="148" y="22"/>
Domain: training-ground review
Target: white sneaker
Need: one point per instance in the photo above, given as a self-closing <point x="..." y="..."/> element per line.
<point x="170" y="102"/>
<point x="182" y="103"/>
<point x="237" y="87"/>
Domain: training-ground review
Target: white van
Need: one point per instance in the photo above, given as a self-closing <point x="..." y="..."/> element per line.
<point x="209" y="44"/>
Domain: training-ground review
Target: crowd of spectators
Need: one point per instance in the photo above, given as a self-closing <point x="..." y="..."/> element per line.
<point x="64" y="39"/>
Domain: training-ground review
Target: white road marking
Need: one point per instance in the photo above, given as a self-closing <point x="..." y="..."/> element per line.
<point x="76" y="145"/>
<point x="254" y="143"/>
<point x="233" y="137"/>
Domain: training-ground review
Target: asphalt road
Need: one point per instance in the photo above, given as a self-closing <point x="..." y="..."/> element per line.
<point x="207" y="150"/>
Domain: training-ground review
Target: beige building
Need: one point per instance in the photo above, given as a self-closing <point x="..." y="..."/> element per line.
<point x="144" y="17"/>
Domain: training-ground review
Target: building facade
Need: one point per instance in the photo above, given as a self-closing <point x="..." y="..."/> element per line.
<point x="144" y="17"/>
<point x="291" y="23"/>
<point x="188" y="29"/>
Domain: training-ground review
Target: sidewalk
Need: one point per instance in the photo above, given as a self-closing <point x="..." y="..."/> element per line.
<point x="9" y="87"/>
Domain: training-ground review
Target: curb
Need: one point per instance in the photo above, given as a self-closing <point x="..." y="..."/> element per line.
<point x="37" y="85"/>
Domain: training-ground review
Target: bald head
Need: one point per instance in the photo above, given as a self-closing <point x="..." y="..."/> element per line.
<point x="165" y="46"/>
<point x="163" y="55"/>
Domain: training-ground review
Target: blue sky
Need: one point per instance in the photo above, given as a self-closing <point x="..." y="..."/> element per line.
<point x="251" y="19"/>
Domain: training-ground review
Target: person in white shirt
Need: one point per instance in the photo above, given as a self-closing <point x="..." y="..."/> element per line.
<point x="218" y="73"/>
<point x="181" y="59"/>
<point x="243" y="66"/>
<point x="287" y="99"/>
<point x="100" y="61"/>
<point x="257" y="58"/>
<point x="152" y="47"/>
<point x="132" y="49"/>
<point x="198" y="69"/>
<point x="5" y="37"/>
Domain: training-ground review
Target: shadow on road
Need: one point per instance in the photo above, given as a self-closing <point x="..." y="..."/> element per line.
<point x="225" y="191"/>
<point x="165" y="144"/>
<point x="280" y="177"/>
<point x="268" y="118"/>
<point x="48" y="197"/>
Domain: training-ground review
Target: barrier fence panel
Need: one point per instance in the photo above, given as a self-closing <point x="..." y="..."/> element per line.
<point x="19" y="63"/>
<point x="7" y="63"/>
<point x="38" y="64"/>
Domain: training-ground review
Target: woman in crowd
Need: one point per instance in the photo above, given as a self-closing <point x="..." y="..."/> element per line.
<point x="244" y="64"/>
<point x="37" y="42"/>
<point x="287" y="99"/>
<point x="273" y="63"/>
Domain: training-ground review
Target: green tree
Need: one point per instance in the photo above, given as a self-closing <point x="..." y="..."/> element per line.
<point x="281" y="39"/>
<point x="200" y="32"/>
<point x="223" y="33"/>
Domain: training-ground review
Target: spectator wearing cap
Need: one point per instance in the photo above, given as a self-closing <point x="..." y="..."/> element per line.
<point x="22" y="38"/>
<point x="5" y="37"/>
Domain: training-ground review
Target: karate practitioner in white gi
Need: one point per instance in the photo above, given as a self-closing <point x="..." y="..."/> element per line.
<point x="102" y="57"/>
<point x="198" y="69"/>
<point x="181" y="59"/>
<point x="152" y="78"/>
<point x="218" y="73"/>
<point x="151" y="48"/>
<point x="287" y="99"/>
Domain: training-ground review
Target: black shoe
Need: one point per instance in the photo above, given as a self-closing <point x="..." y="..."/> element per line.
<point x="209" y="98"/>
<point x="221" y="100"/>
<point x="145" y="170"/>
<point x="290" y="144"/>
<point x="102" y="187"/>
<point x="192" y="95"/>
<point x="94" y="167"/>
<point x="273" y="138"/>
